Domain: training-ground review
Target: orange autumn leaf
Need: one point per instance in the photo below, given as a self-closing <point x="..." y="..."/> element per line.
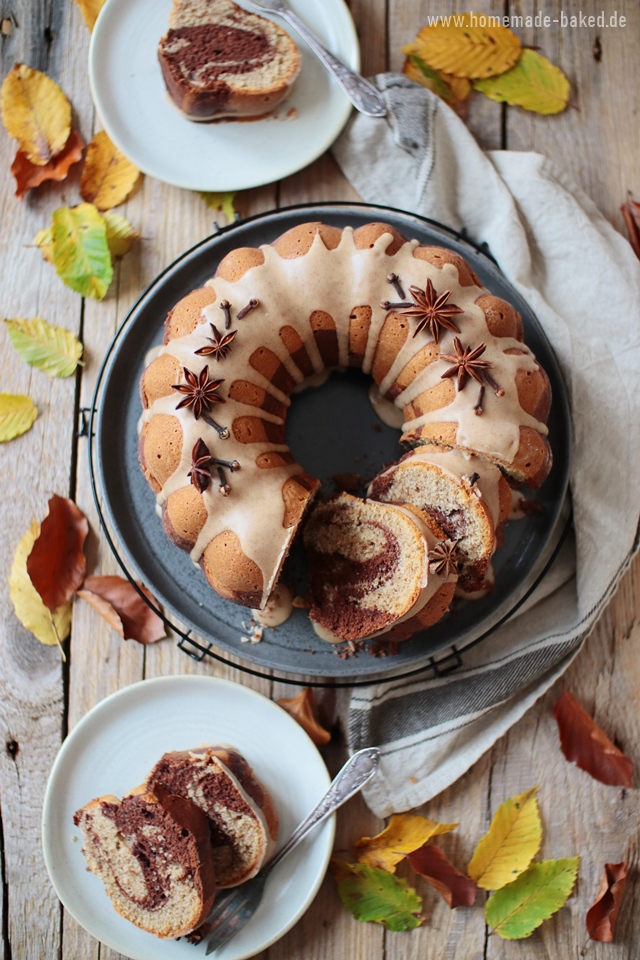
<point x="404" y="833"/>
<point x="108" y="177"/>
<point x="36" y="112"/>
<point x="457" y="888"/>
<point x="301" y="709"/>
<point x="123" y="608"/>
<point x="631" y="213"/>
<point x="587" y="745"/>
<point x="56" y="563"/>
<point x="453" y="90"/>
<point x="603" y="915"/>
<point x="28" y="175"/>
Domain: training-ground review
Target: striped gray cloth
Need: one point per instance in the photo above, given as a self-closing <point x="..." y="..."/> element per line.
<point x="582" y="280"/>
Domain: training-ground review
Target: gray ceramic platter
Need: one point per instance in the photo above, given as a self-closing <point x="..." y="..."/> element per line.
<point x="331" y="430"/>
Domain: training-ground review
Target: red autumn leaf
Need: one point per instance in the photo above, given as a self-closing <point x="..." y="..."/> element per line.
<point x="457" y="888"/>
<point x="28" y="175"/>
<point x="631" y="213"/>
<point x="603" y="915"/>
<point x="122" y="606"/>
<point x="587" y="745"/>
<point x="57" y="564"/>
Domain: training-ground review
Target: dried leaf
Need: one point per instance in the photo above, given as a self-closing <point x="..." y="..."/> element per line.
<point x="57" y="564"/>
<point x="45" y="346"/>
<point x="372" y="894"/>
<point x="79" y="250"/>
<point x="108" y="178"/>
<point x="28" y="175"/>
<point x="404" y="833"/>
<point x="113" y="597"/>
<point x="513" y="839"/>
<point x="587" y="745"/>
<point x="36" y="112"/>
<point x="516" y="910"/>
<point x="120" y="234"/>
<point x="461" y="47"/>
<point x="457" y="888"/>
<point x="534" y="84"/>
<point x="301" y="709"/>
<point x="453" y="90"/>
<point x="631" y="213"/>
<point x="603" y="915"/>
<point x="90" y="10"/>
<point x="28" y="606"/>
<point x="223" y="202"/>
<point x="17" y="415"/>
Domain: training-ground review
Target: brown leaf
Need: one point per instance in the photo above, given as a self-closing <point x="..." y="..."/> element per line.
<point x="28" y="175"/>
<point x="603" y="915"/>
<point x="301" y="709"/>
<point x="457" y="888"/>
<point x="122" y="606"/>
<point x="587" y="745"/>
<point x="57" y="564"/>
<point x="631" y="213"/>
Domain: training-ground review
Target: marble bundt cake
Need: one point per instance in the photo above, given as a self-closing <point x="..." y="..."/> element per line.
<point x="218" y="60"/>
<point x="242" y="818"/>
<point x="153" y="853"/>
<point x="444" y="350"/>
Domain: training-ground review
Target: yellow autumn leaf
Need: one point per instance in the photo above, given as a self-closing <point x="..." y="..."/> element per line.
<point x="404" y="833"/>
<point x="534" y="84"/>
<point x="107" y="177"/>
<point x="48" y="628"/>
<point x="90" y="10"/>
<point x="467" y="45"/>
<point x="36" y="112"/>
<point x="511" y="843"/>
<point x="120" y="234"/>
<point x="43" y="240"/>
<point x="17" y="415"/>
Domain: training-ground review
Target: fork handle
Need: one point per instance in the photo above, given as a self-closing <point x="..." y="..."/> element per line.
<point x="363" y="95"/>
<point x="351" y="778"/>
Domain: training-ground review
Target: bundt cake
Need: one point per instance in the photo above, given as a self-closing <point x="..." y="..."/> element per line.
<point x="153" y="853"/>
<point x="218" y="60"/>
<point x="373" y="566"/>
<point x="443" y="349"/>
<point x="242" y="818"/>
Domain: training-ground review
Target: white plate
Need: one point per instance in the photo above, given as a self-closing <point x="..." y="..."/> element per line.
<point x="113" y="748"/>
<point x="137" y="113"/>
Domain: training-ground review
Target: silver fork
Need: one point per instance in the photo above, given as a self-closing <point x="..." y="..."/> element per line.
<point x="363" y="95"/>
<point x="234" y="908"/>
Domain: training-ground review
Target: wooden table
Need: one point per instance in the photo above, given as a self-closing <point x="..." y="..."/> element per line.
<point x="598" y="143"/>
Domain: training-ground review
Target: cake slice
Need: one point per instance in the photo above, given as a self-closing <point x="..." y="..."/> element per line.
<point x="218" y="60"/>
<point x="243" y="821"/>
<point x="466" y="495"/>
<point x="371" y="568"/>
<point x="153" y="853"/>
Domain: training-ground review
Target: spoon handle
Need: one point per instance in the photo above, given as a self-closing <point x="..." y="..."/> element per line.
<point x="363" y="95"/>
<point x="352" y="777"/>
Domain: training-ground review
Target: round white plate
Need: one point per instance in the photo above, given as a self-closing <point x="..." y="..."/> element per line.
<point x="113" y="748"/>
<point x="137" y="113"/>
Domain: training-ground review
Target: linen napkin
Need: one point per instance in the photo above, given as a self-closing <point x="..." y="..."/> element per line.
<point x="582" y="280"/>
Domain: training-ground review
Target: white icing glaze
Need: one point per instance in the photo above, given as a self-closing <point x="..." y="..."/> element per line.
<point x="289" y="291"/>
<point x="384" y="409"/>
<point x="277" y="609"/>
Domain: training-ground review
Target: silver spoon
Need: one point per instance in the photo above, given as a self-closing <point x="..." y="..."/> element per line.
<point x="363" y="95"/>
<point x="234" y="908"/>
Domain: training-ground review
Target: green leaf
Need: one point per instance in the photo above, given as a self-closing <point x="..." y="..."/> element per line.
<point x="45" y="346"/>
<point x="534" y="83"/>
<point x="516" y="910"/>
<point x="120" y="234"/>
<point x="220" y="201"/>
<point x="373" y="894"/>
<point x="17" y="414"/>
<point x="80" y="250"/>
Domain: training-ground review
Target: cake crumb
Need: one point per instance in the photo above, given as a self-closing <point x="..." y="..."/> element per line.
<point x="255" y="631"/>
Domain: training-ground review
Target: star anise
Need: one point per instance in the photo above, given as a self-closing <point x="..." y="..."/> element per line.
<point x="429" y="310"/>
<point x="443" y="559"/>
<point x="201" y="464"/>
<point x="220" y="344"/>
<point x="200" y="393"/>
<point x="465" y="363"/>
